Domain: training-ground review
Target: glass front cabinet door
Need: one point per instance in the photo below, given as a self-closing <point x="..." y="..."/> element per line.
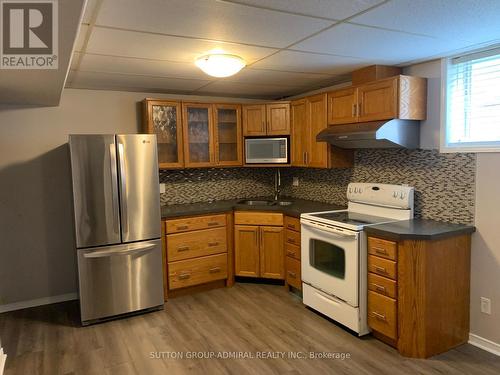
<point x="163" y="118"/>
<point x="228" y="138"/>
<point x="198" y="135"/>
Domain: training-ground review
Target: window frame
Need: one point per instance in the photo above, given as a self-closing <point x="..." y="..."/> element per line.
<point x="454" y="148"/>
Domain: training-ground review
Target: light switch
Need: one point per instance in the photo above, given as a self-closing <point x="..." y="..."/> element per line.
<point x="162" y="188"/>
<point x="295" y="181"/>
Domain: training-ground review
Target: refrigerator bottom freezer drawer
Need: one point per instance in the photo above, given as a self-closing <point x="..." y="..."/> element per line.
<point x="120" y="279"/>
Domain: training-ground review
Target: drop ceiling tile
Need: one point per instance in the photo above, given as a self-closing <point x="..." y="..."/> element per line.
<point x="158" y="68"/>
<point x="377" y="45"/>
<point x="222" y="87"/>
<point x="134" y="82"/>
<point x="475" y="21"/>
<point x="143" y="45"/>
<point x="80" y="39"/>
<point x="210" y="19"/>
<point x="333" y="9"/>
<point x="297" y="61"/>
<point x="272" y="77"/>
<point x="89" y="9"/>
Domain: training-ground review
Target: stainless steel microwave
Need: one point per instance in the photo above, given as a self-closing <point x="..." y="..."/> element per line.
<point x="266" y="150"/>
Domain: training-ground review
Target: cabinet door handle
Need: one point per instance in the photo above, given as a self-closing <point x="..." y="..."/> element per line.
<point x="212" y="223"/>
<point x="307" y="157"/>
<point x="360" y="109"/>
<point x="379" y="287"/>
<point x="291" y="240"/>
<point x="184" y="276"/>
<point x="379" y="250"/>
<point x="304" y="157"/>
<point x="380" y="269"/>
<point x="291" y="253"/>
<point x="354" y="110"/>
<point x="182" y="227"/>
<point x="291" y="226"/>
<point x="183" y="248"/>
<point x="292" y="274"/>
<point x="214" y="270"/>
<point x="212" y="244"/>
<point x="379" y="316"/>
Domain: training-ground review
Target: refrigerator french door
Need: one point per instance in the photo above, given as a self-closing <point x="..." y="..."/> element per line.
<point x="117" y="224"/>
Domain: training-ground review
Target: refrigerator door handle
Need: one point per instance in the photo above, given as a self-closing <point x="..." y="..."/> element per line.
<point x="123" y="185"/>
<point x="126" y="251"/>
<point x="116" y="213"/>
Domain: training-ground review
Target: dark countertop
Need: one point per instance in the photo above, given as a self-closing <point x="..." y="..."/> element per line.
<point x="418" y="229"/>
<point x="298" y="207"/>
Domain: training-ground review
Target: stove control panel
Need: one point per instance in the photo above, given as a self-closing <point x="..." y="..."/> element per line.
<point x="398" y="196"/>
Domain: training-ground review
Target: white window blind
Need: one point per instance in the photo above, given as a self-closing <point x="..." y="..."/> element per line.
<point x="473" y="101"/>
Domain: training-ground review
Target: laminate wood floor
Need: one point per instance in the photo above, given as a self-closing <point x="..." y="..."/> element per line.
<point x="248" y="318"/>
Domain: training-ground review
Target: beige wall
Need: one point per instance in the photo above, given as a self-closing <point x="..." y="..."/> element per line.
<point x="36" y="224"/>
<point x="485" y="269"/>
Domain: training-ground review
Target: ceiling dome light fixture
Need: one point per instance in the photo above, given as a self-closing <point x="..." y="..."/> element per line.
<point x="220" y="64"/>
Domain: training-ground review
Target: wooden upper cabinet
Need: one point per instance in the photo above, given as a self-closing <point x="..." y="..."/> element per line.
<point x="246" y="250"/>
<point x="272" y="253"/>
<point x="227" y="134"/>
<point x="299" y="132"/>
<point x="342" y="106"/>
<point x="317" y="154"/>
<point x="254" y="120"/>
<point x="266" y="119"/>
<point x="401" y="96"/>
<point x="378" y="100"/>
<point x="278" y="119"/>
<point x="163" y="118"/>
<point x="198" y="134"/>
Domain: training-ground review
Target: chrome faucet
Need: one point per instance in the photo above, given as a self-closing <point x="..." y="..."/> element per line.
<point x="277" y="184"/>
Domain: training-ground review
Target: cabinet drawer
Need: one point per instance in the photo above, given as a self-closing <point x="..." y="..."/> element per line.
<point x="258" y="218"/>
<point x="197" y="271"/>
<point x="382" y="285"/>
<point x="383" y="267"/>
<point x="292" y="251"/>
<point x="382" y="315"/>
<point x="292" y="237"/>
<point x="382" y="248"/>
<point x="292" y="223"/>
<point x="196" y="244"/>
<point x="195" y="223"/>
<point x="293" y="272"/>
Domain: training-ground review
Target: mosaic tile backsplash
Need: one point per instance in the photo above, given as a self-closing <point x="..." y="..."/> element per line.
<point x="444" y="183"/>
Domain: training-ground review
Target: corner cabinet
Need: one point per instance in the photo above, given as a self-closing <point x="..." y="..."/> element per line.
<point x="259" y="245"/>
<point x="309" y="117"/>
<point x="266" y="119"/>
<point x="163" y="118"/>
<point x="401" y="96"/>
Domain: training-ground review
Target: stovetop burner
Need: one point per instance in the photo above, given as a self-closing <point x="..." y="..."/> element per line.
<point x="353" y="218"/>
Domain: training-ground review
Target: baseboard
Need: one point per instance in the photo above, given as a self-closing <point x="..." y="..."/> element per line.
<point x="484" y="344"/>
<point x="37" y="302"/>
<point x="3" y="358"/>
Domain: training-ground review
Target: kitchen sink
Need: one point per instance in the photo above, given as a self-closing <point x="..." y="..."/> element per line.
<point x="284" y="203"/>
<point x="257" y="202"/>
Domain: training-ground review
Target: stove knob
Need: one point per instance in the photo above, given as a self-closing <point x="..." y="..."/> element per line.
<point x="395" y="194"/>
<point x="403" y="195"/>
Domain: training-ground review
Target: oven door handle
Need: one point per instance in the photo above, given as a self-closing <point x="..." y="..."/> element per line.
<point x="330" y="230"/>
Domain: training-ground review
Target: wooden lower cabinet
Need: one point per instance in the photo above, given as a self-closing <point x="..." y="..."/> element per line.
<point x="247" y="254"/>
<point x="292" y="252"/>
<point x="272" y="255"/>
<point x="198" y="250"/>
<point x="419" y="293"/>
<point x="259" y="248"/>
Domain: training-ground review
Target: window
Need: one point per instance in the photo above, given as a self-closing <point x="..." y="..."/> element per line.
<point x="472" y="116"/>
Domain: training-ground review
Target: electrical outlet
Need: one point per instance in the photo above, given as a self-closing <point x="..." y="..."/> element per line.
<point x="485" y="305"/>
<point x="162" y="188"/>
<point x="295" y="181"/>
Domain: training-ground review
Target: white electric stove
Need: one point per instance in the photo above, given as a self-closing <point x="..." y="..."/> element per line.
<point x="334" y="250"/>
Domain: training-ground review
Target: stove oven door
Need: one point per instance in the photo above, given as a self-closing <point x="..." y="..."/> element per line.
<point x="330" y="260"/>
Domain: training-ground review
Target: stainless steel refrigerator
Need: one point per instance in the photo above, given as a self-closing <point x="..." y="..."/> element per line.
<point x="117" y="224"/>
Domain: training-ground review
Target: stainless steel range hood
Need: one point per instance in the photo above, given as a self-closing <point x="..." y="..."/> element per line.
<point x="377" y="134"/>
